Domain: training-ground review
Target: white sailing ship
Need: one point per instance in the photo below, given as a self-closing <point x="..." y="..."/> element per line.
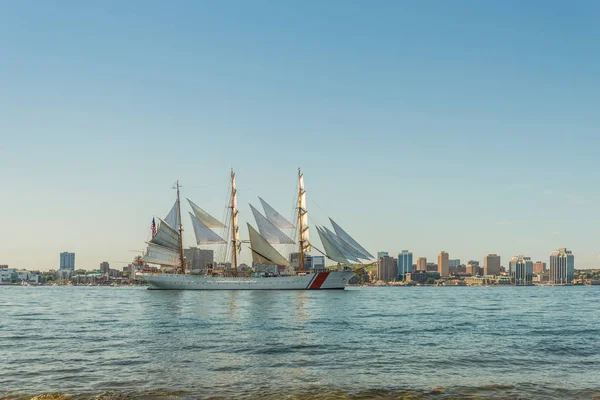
<point x="165" y="249"/>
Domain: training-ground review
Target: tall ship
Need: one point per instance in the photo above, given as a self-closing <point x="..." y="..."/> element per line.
<point x="270" y="269"/>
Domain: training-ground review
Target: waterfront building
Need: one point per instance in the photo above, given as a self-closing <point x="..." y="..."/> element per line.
<point x="539" y="267"/>
<point x="562" y="267"/>
<point x="382" y="254"/>
<point x="318" y="263"/>
<point x="454" y="263"/>
<point x="422" y="264"/>
<point x="422" y="276"/>
<point x="295" y="261"/>
<point x="198" y="259"/>
<point x="67" y="260"/>
<point x="405" y="263"/>
<point x="105" y="267"/>
<point x="64" y="274"/>
<point x="7" y="275"/>
<point x="491" y="265"/>
<point x="521" y="270"/>
<point x="387" y="268"/>
<point x="443" y="267"/>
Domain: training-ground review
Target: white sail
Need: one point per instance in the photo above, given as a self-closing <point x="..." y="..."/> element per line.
<point x="347" y="251"/>
<point x="348" y="239"/>
<point x="205" y="217"/>
<point x="269" y="231"/>
<point x="166" y="236"/>
<point x="204" y="235"/>
<point x="263" y="252"/>
<point x="156" y="254"/>
<point x="303" y="215"/>
<point x="274" y="217"/>
<point x="172" y="217"/>
<point x="330" y="249"/>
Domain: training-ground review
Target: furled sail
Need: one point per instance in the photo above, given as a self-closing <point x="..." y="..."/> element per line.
<point x="269" y="231"/>
<point x="347" y="251"/>
<point x="303" y="214"/>
<point x="263" y="252"/>
<point x="330" y="249"/>
<point x="234" y="216"/>
<point x="205" y="217"/>
<point x="156" y="254"/>
<point x="166" y="236"/>
<point x="274" y="217"/>
<point x="173" y="217"/>
<point x="204" y="235"/>
<point x="348" y="239"/>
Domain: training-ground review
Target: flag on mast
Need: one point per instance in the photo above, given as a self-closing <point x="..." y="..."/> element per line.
<point x="153" y="228"/>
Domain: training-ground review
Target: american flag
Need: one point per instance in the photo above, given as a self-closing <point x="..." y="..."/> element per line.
<point x="153" y="228"/>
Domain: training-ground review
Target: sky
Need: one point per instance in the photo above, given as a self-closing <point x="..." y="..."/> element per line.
<point x="466" y="126"/>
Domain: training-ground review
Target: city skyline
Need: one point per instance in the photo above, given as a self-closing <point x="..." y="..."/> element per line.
<point x="97" y="96"/>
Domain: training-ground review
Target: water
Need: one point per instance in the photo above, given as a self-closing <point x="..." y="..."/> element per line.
<point x="396" y="342"/>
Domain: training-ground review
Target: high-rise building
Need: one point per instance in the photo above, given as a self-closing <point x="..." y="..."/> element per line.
<point x="539" y="267"/>
<point x="405" y="260"/>
<point x="521" y="270"/>
<point x="422" y="264"/>
<point x="382" y="254"/>
<point x="318" y="263"/>
<point x="198" y="259"/>
<point x="67" y="261"/>
<point x="454" y="263"/>
<point x="491" y="264"/>
<point x="387" y="268"/>
<point x="562" y="266"/>
<point x="443" y="267"/>
<point x="105" y="267"/>
<point x="295" y="261"/>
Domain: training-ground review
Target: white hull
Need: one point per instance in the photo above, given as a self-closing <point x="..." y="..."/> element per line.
<point x="310" y="281"/>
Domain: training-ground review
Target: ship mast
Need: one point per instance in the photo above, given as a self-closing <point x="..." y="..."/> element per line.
<point x="301" y="212"/>
<point x="181" y="258"/>
<point x="234" y="224"/>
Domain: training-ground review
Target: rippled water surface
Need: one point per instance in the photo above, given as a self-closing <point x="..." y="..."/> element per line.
<point x="396" y="342"/>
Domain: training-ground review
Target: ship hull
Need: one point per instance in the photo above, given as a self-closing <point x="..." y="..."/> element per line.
<point x="311" y="281"/>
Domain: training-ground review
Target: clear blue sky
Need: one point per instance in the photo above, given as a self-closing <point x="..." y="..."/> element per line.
<point x="466" y="126"/>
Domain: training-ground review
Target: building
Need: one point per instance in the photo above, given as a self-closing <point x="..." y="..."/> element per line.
<point x="64" y="274"/>
<point x="432" y="267"/>
<point x="198" y="259"/>
<point x="382" y="254"/>
<point x="387" y="268"/>
<point x="105" y="267"/>
<point x="562" y="267"/>
<point x="7" y="275"/>
<point x="422" y="264"/>
<point x="443" y="265"/>
<point x="521" y="270"/>
<point x="67" y="261"/>
<point x="473" y="268"/>
<point x="539" y="267"/>
<point x="295" y="261"/>
<point x="405" y="262"/>
<point x="422" y="276"/>
<point x="491" y="265"/>
<point x="454" y="263"/>
<point x="318" y="263"/>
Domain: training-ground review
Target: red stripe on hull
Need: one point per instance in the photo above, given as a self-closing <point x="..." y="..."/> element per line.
<point x="318" y="281"/>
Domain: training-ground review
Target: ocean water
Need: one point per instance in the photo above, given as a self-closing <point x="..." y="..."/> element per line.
<point x="361" y="343"/>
